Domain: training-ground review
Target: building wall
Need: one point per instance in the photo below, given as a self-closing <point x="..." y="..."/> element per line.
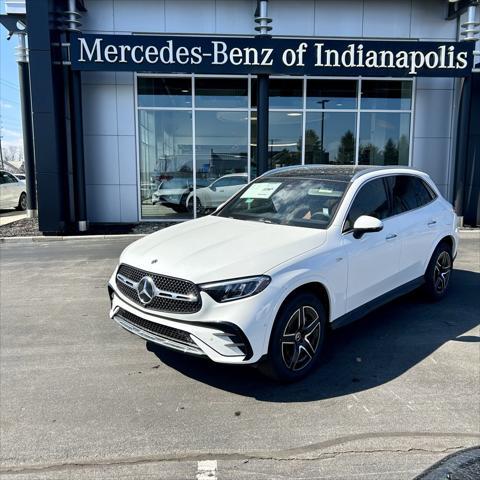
<point x="109" y="102"/>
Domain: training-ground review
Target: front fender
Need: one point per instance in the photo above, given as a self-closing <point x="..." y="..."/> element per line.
<point x="287" y="282"/>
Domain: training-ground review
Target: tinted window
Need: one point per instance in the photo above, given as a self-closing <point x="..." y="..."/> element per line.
<point x="408" y="192"/>
<point x="3" y="179"/>
<point x="370" y="200"/>
<point x="230" y="181"/>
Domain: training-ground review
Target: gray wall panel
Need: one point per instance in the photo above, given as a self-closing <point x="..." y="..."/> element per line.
<point x="297" y="19"/>
<point x="125" y="109"/>
<point x="433" y="113"/>
<point x="329" y="23"/>
<point x="128" y="203"/>
<point x="428" y="21"/>
<point x="101" y="160"/>
<point x="149" y="16"/>
<point x="190" y="16"/>
<point x="387" y="19"/>
<point x="127" y="160"/>
<point x="99" y="109"/>
<point x="99" y="16"/>
<point x="103" y="203"/>
<point x="235" y="16"/>
<point x="432" y="155"/>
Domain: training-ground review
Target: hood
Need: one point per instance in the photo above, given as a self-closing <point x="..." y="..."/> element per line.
<point x="216" y="248"/>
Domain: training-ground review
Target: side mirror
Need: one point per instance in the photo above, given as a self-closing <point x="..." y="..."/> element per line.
<point x="366" y="224"/>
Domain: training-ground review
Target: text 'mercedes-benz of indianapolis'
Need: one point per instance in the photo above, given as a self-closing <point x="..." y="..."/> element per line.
<point x="277" y="56"/>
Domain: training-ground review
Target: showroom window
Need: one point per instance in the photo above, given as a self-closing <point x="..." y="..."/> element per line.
<point x="194" y="130"/>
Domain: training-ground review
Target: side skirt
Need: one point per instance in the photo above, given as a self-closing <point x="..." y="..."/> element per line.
<point x="368" y="307"/>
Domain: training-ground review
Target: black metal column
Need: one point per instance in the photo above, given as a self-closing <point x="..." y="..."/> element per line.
<point x="262" y="123"/>
<point x="47" y="129"/>
<point x="26" y="109"/>
<point x="76" y="120"/>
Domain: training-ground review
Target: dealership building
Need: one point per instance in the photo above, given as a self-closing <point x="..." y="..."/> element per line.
<point x="159" y="110"/>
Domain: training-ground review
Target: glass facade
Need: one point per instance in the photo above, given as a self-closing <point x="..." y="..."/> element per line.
<point x="197" y="135"/>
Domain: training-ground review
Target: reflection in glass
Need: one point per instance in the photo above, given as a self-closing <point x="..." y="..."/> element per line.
<point x="283" y="93"/>
<point x="164" y="92"/>
<point x="221" y="154"/>
<point x="298" y="202"/>
<point x="166" y="162"/>
<point x="331" y="94"/>
<point x="329" y="138"/>
<point x="386" y="94"/>
<point x="384" y="138"/>
<point x="284" y="140"/>
<point x="221" y="93"/>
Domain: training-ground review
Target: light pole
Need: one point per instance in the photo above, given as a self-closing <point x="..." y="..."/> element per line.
<point x="263" y="28"/>
<point x="16" y="25"/>
<point x="323" y="102"/>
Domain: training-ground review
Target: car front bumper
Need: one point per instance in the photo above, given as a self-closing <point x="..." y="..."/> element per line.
<point x="232" y="333"/>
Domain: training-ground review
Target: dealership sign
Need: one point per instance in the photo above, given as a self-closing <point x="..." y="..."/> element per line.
<point x="243" y="55"/>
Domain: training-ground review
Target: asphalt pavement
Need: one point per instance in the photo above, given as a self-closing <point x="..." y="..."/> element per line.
<point x="80" y="398"/>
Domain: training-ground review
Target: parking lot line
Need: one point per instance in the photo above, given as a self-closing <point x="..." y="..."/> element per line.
<point x="207" y="470"/>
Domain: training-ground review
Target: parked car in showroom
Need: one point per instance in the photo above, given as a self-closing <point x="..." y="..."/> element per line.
<point x="173" y="192"/>
<point x="297" y="252"/>
<point x="217" y="192"/>
<point x="13" y="192"/>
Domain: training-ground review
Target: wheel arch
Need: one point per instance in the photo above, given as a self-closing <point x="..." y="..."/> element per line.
<point x="449" y="240"/>
<point x="316" y="288"/>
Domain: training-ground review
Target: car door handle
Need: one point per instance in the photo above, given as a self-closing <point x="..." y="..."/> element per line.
<point x="391" y="236"/>
<point x="432" y="223"/>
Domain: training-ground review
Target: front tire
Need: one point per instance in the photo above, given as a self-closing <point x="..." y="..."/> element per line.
<point x="296" y="340"/>
<point x="437" y="276"/>
<point x="22" y="202"/>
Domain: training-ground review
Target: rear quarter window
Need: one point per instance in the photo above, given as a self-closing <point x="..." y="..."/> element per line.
<point x="408" y="193"/>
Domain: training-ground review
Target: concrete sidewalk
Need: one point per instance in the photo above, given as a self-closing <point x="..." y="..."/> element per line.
<point x="10" y="216"/>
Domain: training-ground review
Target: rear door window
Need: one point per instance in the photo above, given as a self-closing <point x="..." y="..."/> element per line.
<point x="408" y="192"/>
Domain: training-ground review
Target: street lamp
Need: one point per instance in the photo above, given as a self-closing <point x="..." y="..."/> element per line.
<point x="16" y="25"/>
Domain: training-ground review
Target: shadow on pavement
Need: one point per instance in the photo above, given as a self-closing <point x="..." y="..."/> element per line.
<point x="462" y="465"/>
<point x="365" y="354"/>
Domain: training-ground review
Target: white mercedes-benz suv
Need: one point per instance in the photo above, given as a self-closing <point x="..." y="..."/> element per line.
<point x="296" y="252"/>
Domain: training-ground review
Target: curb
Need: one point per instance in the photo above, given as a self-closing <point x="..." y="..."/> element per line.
<point x="40" y="238"/>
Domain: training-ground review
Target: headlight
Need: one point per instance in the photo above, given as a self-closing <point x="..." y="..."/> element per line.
<point x="235" y="289"/>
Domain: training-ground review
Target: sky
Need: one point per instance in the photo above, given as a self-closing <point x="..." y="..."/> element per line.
<point x="10" y="119"/>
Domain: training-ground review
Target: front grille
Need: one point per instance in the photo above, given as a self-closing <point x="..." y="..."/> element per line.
<point x="157" y="329"/>
<point x="175" y="285"/>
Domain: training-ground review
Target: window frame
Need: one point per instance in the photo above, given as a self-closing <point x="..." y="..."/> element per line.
<point x="385" y="177"/>
<point x="429" y="189"/>
<point x="385" y="187"/>
<point x="250" y="110"/>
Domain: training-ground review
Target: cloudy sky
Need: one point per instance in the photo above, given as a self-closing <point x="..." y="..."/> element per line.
<point x="10" y="120"/>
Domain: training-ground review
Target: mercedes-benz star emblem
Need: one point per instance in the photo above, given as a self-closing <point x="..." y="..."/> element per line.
<point x="146" y="290"/>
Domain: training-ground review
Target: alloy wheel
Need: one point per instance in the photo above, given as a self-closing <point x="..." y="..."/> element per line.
<point x="301" y="337"/>
<point x="441" y="272"/>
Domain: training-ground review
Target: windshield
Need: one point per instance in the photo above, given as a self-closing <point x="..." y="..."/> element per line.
<point x="298" y="202"/>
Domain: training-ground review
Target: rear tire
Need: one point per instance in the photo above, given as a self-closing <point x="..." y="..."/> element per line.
<point x="438" y="273"/>
<point x="22" y="202"/>
<point x="296" y="340"/>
